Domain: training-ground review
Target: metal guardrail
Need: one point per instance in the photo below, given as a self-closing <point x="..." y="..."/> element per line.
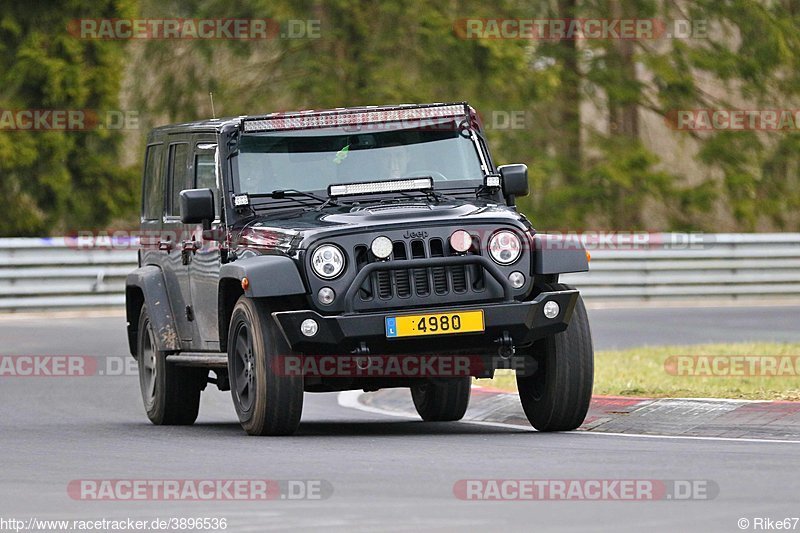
<point x="58" y="273"/>
<point x="722" y="266"/>
<point x="61" y="273"/>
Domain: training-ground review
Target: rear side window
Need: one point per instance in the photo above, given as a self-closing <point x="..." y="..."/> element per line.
<point x="153" y="197"/>
<point x="178" y="176"/>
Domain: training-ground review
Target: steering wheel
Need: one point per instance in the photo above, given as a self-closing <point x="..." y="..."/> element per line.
<point x="437" y="176"/>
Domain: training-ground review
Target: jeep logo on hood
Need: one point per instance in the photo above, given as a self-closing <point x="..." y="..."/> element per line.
<point x="415" y="235"/>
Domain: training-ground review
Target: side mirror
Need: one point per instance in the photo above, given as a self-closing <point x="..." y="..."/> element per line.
<point x="515" y="181"/>
<point x="197" y="207"/>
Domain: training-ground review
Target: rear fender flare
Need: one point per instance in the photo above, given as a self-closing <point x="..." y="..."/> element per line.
<point x="146" y="286"/>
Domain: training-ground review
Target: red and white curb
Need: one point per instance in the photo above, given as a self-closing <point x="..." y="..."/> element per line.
<point x="670" y="418"/>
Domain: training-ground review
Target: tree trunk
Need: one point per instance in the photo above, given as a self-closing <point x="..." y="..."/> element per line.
<point x="569" y="111"/>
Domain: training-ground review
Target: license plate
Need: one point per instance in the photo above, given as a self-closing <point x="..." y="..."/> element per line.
<point x="434" y="324"/>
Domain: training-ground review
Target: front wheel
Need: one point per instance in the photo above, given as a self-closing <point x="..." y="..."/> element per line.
<point x="171" y="394"/>
<point x="442" y="400"/>
<point x="556" y="397"/>
<point x="267" y="402"/>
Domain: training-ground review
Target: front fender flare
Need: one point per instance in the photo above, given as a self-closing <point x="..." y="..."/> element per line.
<point x="558" y="254"/>
<point x="268" y="276"/>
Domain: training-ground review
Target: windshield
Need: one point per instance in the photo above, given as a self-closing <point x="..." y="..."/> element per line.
<point x="311" y="160"/>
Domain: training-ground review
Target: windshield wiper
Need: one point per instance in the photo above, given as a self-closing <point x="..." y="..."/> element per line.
<point x="280" y="194"/>
<point x="291" y="194"/>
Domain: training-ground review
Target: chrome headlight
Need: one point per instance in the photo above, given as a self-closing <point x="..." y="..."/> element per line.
<point x="327" y="261"/>
<point x="505" y="247"/>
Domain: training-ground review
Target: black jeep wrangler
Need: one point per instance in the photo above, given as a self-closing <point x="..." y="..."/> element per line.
<point x="354" y="236"/>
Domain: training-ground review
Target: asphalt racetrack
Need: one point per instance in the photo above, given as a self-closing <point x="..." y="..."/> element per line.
<point x="377" y="472"/>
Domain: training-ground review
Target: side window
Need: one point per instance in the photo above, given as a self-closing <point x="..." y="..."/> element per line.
<point x="178" y="174"/>
<point x="205" y="176"/>
<point x="153" y="185"/>
<point x="204" y="171"/>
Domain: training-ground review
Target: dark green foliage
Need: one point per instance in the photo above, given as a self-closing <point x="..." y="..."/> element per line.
<point x="56" y="181"/>
<point x="601" y="170"/>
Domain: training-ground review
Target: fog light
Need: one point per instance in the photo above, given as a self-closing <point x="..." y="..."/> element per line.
<point x="309" y="327"/>
<point x="382" y="247"/>
<point x="461" y="241"/>
<point x="326" y="296"/>
<point x="517" y="279"/>
<point x="551" y="309"/>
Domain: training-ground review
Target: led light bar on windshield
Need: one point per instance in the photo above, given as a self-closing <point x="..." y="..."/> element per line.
<point x="330" y="119"/>
<point x="371" y="187"/>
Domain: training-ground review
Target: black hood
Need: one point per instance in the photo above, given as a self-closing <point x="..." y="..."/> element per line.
<point x="300" y="226"/>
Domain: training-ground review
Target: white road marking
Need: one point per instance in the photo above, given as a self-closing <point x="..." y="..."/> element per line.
<point x="349" y="399"/>
<point x="111" y="312"/>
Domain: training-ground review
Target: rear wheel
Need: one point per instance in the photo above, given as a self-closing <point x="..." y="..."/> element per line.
<point x="442" y="400"/>
<point x="556" y="397"/>
<point x="171" y="394"/>
<point x="267" y="402"/>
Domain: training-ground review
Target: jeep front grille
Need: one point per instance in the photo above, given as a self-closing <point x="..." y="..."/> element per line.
<point x="386" y="286"/>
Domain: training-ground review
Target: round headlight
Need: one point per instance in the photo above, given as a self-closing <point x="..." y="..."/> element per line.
<point x="505" y="247"/>
<point x="382" y="247"/>
<point x="327" y="261"/>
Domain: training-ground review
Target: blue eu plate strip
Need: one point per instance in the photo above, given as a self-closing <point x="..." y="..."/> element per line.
<point x="391" y="326"/>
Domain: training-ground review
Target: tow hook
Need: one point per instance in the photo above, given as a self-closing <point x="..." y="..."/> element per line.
<point x="362" y="349"/>
<point x="362" y="363"/>
<point x="506" y="346"/>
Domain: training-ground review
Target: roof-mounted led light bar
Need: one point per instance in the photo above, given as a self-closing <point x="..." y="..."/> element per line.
<point x="372" y="187"/>
<point x="332" y="119"/>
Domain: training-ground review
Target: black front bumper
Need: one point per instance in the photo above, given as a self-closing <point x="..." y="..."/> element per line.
<point x="525" y="322"/>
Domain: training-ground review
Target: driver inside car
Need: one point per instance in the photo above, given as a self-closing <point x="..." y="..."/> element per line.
<point x="397" y="161"/>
